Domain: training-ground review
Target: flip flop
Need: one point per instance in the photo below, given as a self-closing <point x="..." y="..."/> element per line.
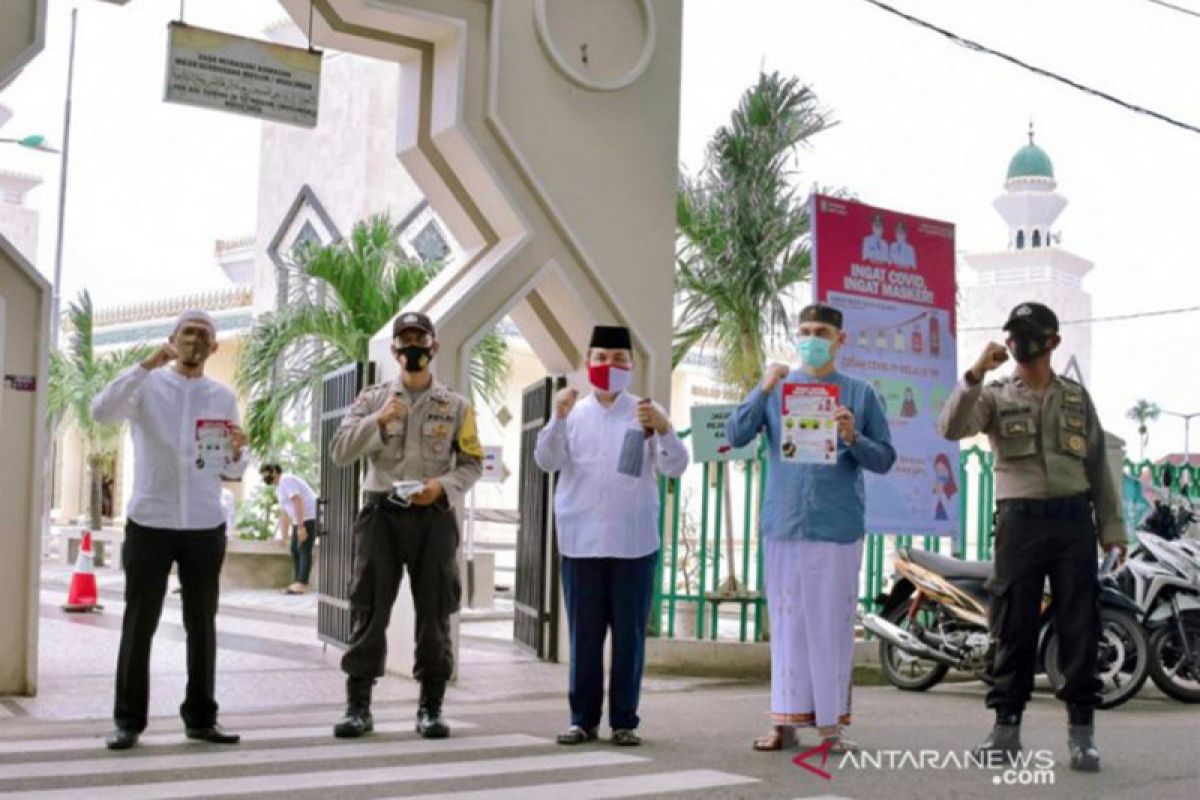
<point x="781" y="737"/>
<point x="625" y="737"/>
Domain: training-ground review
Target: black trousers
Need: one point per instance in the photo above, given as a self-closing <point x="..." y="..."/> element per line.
<point x="147" y="555"/>
<point x="302" y="552"/>
<point x="388" y="539"/>
<point x="1036" y="540"/>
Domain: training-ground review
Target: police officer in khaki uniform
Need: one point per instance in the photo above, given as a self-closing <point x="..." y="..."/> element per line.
<point x="412" y="429"/>
<point x="1056" y="495"/>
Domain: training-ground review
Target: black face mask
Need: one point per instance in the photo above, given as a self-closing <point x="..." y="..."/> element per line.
<point x="416" y="358"/>
<point x="1028" y="347"/>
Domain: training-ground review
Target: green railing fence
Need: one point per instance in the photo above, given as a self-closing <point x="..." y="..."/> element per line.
<point x="689" y="596"/>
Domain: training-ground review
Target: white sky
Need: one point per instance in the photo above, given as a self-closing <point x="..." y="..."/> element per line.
<point x="926" y="127"/>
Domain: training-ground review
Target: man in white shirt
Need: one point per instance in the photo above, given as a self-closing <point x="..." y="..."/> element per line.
<point x="297" y="520"/>
<point x="186" y="439"/>
<point x="608" y="451"/>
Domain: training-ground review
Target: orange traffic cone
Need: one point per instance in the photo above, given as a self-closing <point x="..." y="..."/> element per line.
<point x="82" y="596"/>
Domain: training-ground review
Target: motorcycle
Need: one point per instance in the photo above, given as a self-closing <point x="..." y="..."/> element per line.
<point x="936" y="618"/>
<point x="1162" y="576"/>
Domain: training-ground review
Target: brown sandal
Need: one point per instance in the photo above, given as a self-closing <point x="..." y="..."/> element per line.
<point x="780" y="737"/>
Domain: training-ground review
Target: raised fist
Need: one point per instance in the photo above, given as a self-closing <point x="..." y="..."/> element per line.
<point x="993" y="356"/>
<point x="564" y="401"/>
<point x="775" y="373"/>
<point x="394" y="410"/>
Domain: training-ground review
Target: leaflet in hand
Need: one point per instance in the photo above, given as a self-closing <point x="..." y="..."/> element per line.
<point x="809" y="434"/>
<point x="214" y="450"/>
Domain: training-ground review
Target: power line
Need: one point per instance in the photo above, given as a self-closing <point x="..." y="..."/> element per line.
<point x="1114" y="318"/>
<point x="1045" y="73"/>
<point x="1174" y="7"/>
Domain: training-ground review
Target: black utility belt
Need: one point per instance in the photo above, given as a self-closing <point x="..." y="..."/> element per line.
<point x="1054" y="507"/>
<point x="389" y="501"/>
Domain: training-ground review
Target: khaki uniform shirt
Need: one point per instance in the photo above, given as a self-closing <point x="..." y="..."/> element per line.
<point x="1046" y="447"/>
<point x="437" y="438"/>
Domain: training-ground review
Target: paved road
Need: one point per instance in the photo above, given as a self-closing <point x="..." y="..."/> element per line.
<point x="279" y="689"/>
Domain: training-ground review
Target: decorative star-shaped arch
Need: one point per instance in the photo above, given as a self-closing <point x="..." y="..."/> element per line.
<point x="562" y="199"/>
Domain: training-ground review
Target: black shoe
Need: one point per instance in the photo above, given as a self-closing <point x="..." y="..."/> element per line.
<point x="354" y="724"/>
<point x="121" y="739"/>
<point x="577" y="734"/>
<point x="1084" y="755"/>
<point x="431" y="726"/>
<point x="213" y="734"/>
<point x="1004" y="743"/>
<point x="358" y="719"/>
<point x="429" y="714"/>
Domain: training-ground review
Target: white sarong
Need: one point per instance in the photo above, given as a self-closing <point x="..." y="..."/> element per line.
<point x="812" y="594"/>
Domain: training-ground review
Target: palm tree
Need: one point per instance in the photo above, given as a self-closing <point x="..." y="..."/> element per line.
<point x="744" y="236"/>
<point x="76" y="377"/>
<point x="359" y="285"/>
<point x="1142" y="412"/>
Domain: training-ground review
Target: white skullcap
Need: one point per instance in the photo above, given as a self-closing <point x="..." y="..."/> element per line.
<point x="196" y="315"/>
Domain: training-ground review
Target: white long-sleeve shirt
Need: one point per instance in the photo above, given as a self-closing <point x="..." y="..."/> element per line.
<point x="169" y="488"/>
<point x="600" y="512"/>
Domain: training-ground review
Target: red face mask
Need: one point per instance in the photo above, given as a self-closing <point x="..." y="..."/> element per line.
<point x="610" y="378"/>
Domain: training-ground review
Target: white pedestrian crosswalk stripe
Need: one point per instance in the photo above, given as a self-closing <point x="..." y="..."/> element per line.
<point x="631" y="786"/>
<point x="177" y="738"/>
<point x="330" y="779"/>
<point x="401" y="767"/>
<point x="241" y="757"/>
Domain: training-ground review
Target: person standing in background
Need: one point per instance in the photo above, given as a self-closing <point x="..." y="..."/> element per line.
<point x="297" y="520"/>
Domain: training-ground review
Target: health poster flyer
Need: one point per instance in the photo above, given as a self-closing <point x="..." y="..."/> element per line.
<point x="892" y="275"/>
<point x="809" y="431"/>
<point x="214" y="452"/>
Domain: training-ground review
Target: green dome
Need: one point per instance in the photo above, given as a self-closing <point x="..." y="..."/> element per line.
<point x="1030" y="161"/>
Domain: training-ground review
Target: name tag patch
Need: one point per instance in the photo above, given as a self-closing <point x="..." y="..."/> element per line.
<point x="1017" y="427"/>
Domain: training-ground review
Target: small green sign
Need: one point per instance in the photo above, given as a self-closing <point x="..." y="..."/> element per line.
<point x="709" y="442"/>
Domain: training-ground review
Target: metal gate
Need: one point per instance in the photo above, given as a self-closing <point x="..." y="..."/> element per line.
<point x="337" y="506"/>
<point x="535" y="606"/>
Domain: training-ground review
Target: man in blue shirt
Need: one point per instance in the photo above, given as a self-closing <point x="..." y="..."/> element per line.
<point x="812" y="527"/>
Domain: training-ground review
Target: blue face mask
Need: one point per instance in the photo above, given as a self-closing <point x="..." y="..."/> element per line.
<point x="814" y="351"/>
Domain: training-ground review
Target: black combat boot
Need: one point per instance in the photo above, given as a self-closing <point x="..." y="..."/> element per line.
<point x="358" y="709"/>
<point x="429" y="714"/>
<point x="1005" y="739"/>
<point x="1085" y="757"/>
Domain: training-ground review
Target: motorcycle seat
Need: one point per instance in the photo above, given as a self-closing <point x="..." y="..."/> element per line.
<point x="974" y="587"/>
<point x="949" y="567"/>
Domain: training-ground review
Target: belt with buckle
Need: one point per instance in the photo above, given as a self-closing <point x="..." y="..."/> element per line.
<point x="392" y="503"/>
<point x="1053" y="507"/>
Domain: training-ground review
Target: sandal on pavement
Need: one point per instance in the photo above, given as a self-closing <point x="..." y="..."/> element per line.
<point x="780" y="737"/>
<point x="840" y="744"/>
<point x="625" y="737"/>
<point x="577" y="735"/>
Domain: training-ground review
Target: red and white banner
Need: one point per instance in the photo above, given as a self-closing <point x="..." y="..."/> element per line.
<point x="892" y="276"/>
